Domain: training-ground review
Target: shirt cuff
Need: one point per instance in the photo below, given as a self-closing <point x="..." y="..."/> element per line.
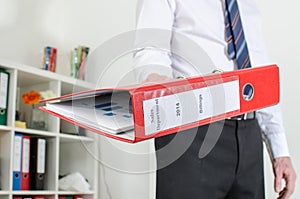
<point x="277" y="145"/>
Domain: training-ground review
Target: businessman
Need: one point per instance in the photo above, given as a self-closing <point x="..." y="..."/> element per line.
<point x="230" y="32"/>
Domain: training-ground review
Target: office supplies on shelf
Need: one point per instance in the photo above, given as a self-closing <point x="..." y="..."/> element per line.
<point x="4" y="84"/>
<point x="78" y="59"/>
<point x="49" y="59"/>
<point x="74" y="182"/>
<point x="25" y="162"/>
<point x="37" y="163"/>
<point x="17" y="163"/>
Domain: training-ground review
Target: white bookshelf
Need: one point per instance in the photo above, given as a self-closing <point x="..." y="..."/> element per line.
<point x="66" y="153"/>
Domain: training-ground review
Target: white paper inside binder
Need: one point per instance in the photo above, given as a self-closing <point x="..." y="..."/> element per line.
<point x="109" y="112"/>
<point x="182" y="108"/>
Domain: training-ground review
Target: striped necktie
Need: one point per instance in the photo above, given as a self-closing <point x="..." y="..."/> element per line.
<point x="237" y="46"/>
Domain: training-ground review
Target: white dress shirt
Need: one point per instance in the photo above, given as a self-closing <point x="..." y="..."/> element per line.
<point x="187" y="38"/>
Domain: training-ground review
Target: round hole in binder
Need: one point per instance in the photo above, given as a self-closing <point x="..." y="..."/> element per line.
<point x="248" y="92"/>
<point x="40" y="176"/>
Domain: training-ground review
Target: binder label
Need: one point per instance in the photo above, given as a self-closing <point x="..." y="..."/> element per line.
<point x="170" y="111"/>
<point x="25" y="162"/>
<point x="41" y="156"/>
<point x="3" y="89"/>
<point x="17" y="153"/>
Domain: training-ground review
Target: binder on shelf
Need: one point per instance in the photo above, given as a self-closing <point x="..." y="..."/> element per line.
<point x="38" y="197"/>
<point x="25" y="174"/>
<point x="17" y="163"/>
<point x="17" y="197"/>
<point x="4" y="84"/>
<point x="140" y="112"/>
<point x="37" y="163"/>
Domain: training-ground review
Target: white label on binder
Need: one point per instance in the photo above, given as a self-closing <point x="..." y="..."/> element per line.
<point x="25" y="155"/>
<point x="3" y="89"/>
<point x="17" y="153"/>
<point x="170" y="111"/>
<point x="41" y="156"/>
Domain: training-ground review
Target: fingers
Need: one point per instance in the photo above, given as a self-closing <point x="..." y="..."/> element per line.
<point x="284" y="194"/>
<point x="288" y="189"/>
<point x="290" y="186"/>
<point x="154" y="77"/>
<point x="281" y="194"/>
<point x="284" y="170"/>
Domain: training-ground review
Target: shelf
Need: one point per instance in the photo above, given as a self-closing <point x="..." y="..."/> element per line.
<point x="5" y="128"/>
<point x="65" y="153"/>
<point x="33" y="192"/>
<point x="71" y="138"/>
<point x="75" y="193"/>
<point x="35" y="132"/>
<point x="2" y="193"/>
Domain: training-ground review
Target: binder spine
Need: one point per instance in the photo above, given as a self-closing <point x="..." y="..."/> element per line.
<point x="4" y="88"/>
<point x="37" y="163"/>
<point x="25" y="162"/>
<point x="17" y="157"/>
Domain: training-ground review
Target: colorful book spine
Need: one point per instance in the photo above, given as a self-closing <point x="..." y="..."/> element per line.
<point x="74" y="62"/>
<point x="78" y="60"/>
<point x="85" y="51"/>
<point x="47" y="52"/>
<point x="53" y="56"/>
<point x="49" y="61"/>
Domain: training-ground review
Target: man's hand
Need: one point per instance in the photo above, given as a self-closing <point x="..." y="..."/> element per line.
<point x="154" y="77"/>
<point x="283" y="170"/>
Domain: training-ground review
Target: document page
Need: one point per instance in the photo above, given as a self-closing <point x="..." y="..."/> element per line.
<point x="110" y="113"/>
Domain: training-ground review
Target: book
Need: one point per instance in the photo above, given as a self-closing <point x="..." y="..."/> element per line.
<point x="53" y="55"/>
<point x="84" y="54"/>
<point x="49" y="59"/>
<point x="74" y="63"/>
<point x="144" y="111"/>
<point x="78" y="59"/>
<point x="46" y="59"/>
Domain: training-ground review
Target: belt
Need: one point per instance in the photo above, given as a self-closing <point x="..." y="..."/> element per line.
<point x="245" y="116"/>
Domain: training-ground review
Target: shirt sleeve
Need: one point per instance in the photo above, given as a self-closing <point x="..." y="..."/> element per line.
<point x="270" y="118"/>
<point x="154" y="26"/>
<point x="271" y="123"/>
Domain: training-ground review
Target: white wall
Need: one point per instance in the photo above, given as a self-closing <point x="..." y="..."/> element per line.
<point x="282" y="30"/>
<point x="27" y="26"/>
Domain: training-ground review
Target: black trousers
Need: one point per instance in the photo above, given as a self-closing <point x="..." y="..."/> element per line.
<point x="233" y="169"/>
